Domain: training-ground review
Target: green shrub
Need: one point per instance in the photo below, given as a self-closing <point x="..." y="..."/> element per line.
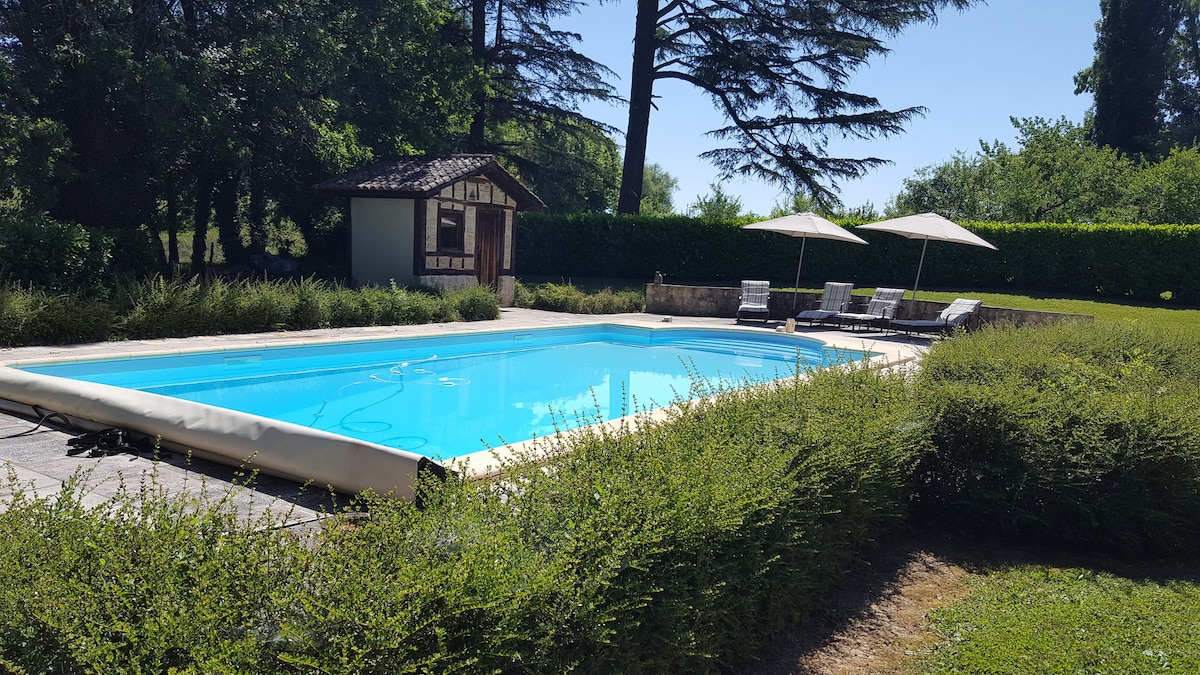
<point x="157" y="308"/>
<point x="676" y="548"/>
<point x="148" y="582"/>
<point x="349" y="307"/>
<point x="55" y="256"/>
<point x="310" y="309"/>
<point x="29" y="317"/>
<point x="567" y="298"/>
<point x="48" y="254"/>
<point x="399" y="306"/>
<point x="167" y="308"/>
<point x="1075" y="433"/>
<point x="474" y="303"/>
<point x="263" y="306"/>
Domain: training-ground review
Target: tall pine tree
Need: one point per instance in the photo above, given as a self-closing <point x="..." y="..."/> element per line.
<point x="1129" y="72"/>
<point x="778" y="72"/>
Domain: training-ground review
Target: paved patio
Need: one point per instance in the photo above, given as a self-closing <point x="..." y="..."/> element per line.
<point x="40" y="459"/>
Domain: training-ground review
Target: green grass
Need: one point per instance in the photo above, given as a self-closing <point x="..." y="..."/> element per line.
<point x="1105" y="311"/>
<point x="1040" y="619"/>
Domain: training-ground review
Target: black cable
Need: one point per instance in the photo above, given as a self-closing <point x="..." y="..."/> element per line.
<point x="37" y="410"/>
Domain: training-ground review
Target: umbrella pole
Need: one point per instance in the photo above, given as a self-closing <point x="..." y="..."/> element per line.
<point x="796" y="287"/>
<point x="919" y="266"/>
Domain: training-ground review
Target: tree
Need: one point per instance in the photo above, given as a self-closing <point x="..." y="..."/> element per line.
<point x="573" y="170"/>
<point x="1056" y="174"/>
<point x="657" y="190"/>
<point x="227" y="109"/>
<point x="1181" y="95"/>
<point x="35" y="150"/>
<point x="958" y="189"/>
<point x="799" y="203"/>
<point x="1129" y="72"/>
<point x="526" y="99"/>
<point x="1169" y="191"/>
<point x="718" y="205"/>
<point x="777" y="71"/>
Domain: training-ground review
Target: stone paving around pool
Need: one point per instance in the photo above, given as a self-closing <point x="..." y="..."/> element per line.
<point x="39" y="459"/>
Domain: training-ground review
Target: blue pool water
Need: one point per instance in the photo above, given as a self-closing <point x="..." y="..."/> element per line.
<point x="448" y="396"/>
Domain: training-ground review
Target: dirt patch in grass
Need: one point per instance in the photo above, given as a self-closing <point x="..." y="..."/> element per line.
<point x="874" y="622"/>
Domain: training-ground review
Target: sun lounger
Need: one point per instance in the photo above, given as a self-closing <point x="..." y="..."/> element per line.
<point x="834" y="299"/>
<point x="754" y="301"/>
<point x="879" y="311"/>
<point x="954" y="316"/>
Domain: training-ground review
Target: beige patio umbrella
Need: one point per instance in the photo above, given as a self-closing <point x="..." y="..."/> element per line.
<point x="805" y="225"/>
<point x="928" y="226"/>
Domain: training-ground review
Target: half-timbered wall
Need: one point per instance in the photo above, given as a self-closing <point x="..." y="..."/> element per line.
<point x="462" y="199"/>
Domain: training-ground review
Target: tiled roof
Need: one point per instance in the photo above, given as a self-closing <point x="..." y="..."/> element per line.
<point x="417" y="177"/>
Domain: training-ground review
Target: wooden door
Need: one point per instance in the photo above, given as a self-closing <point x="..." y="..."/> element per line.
<point x="487" y="247"/>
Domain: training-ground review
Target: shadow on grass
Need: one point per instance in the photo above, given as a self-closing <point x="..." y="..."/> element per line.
<point x="873" y="614"/>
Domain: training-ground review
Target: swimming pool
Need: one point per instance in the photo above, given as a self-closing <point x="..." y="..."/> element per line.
<point x="448" y="396"/>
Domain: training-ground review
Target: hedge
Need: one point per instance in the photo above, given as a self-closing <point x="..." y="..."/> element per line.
<point x="1079" y="433"/>
<point x="1140" y="262"/>
<point x="679" y="548"/>
<point x="158" y="307"/>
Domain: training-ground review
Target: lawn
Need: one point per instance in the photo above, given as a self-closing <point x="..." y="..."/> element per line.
<point x="1041" y="618"/>
<point x="1105" y="310"/>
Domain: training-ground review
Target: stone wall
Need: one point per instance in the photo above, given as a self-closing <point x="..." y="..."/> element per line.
<point x="678" y="300"/>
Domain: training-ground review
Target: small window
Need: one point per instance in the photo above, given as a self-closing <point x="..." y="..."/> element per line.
<point x="450" y="232"/>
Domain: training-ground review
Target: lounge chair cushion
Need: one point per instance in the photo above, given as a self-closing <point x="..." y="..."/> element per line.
<point x="882" y="305"/>
<point x="954" y="315"/>
<point x="957" y="312"/>
<point x="834" y="299"/>
<point x="754" y="300"/>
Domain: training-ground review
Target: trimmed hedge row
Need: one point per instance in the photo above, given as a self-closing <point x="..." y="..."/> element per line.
<point x="1080" y="433"/>
<point x="1136" y="261"/>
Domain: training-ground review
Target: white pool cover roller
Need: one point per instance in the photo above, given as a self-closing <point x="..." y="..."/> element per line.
<point x="277" y="448"/>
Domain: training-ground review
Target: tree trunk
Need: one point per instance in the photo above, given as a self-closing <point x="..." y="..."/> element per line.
<point x="641" y="92"/>
<point x="257" y="212"/>
<point x="229" y="228"/>
<point x="200" y="223"/>
<point x="478" y="47"/>
<point x="172" y="229"/>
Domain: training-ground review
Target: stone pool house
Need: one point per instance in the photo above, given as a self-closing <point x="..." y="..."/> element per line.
<point x="443" y="222"/>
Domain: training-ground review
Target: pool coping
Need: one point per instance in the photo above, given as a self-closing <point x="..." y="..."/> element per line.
<point x="891" y="351"/>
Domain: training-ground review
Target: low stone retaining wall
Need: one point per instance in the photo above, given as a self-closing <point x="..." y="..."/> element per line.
<point x="681" y="300"/>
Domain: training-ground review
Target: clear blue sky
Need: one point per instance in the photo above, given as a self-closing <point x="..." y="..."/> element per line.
<point x="972" y="70"/>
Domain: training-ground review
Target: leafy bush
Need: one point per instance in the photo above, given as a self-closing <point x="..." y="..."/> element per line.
<point x="165" y="308"/>
<point x="158" y="308"/>
<point x="475" y="303"/>
<point x="30" y="317"/>
<point x="399" y="306"/>
<point x="1074" y="433"/>
<point x="148" y="582"/>
<point x="48" y="254"/>
<point x="348" y="307"/>
<point x="38" y="251"/>
<point x="567" y="298"/>
<point x="675" y="548"/>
